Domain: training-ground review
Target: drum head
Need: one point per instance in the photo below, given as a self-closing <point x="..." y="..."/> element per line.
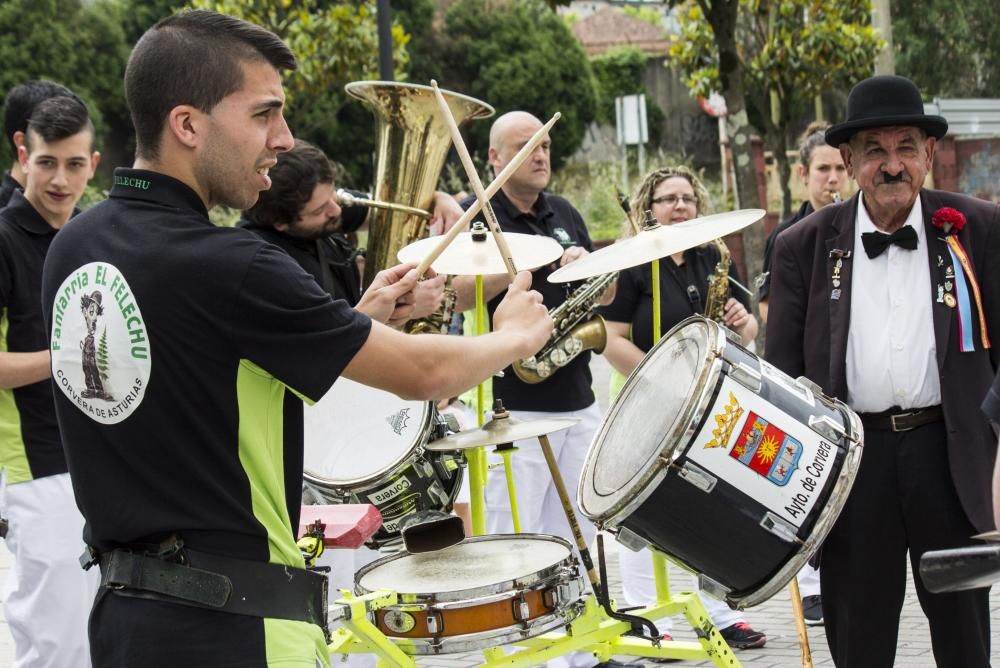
<point x="356" y="432"/>
<point x="477" y="563"/>
<point x="648" y="420"/>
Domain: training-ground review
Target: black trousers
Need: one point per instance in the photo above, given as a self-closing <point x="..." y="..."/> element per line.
<point x="903" y="499"/>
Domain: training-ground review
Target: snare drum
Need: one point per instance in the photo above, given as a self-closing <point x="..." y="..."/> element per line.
<point x="484" y="592"/>
<point x="363" y="445"/>
<point x="721" y="461"/>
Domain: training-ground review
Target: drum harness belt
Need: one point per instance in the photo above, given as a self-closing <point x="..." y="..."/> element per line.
<point x="174" y="573"/>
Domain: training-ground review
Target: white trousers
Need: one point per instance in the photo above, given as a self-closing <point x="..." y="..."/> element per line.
<point x="808" y="579"/>
<point x="639" y="588"/>
<point x="539" y="507"/>
<point x="538" y="504"/>
<point x="47" y="595"/>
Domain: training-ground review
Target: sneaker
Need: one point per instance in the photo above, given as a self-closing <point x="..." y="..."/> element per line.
<point x="812" y="610"/>
<point x="741" y="636"/>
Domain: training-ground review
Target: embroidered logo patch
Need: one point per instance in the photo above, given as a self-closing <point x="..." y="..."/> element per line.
<point x="100" y="349"/>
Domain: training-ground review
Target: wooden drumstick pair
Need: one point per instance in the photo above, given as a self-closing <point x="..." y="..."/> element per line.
<point x="483" y="195"/>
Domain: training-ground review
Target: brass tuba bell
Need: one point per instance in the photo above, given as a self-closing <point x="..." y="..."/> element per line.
<point x="411" y="145"/>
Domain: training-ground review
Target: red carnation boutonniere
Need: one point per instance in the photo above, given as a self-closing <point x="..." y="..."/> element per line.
<point x="948" y="219"/>
<point x="951" y="221"/>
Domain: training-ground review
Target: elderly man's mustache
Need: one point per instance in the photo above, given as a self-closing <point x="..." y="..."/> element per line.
<point x="902" y="177"/>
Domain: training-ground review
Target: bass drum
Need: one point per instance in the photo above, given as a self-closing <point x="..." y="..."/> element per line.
<point x="722" y="462"/>
<point x="363" y="445"/>
<point x="484" y="592"/>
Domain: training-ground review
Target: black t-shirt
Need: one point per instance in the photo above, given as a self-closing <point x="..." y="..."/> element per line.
<point x="568" y="389"/>
<point x="29" y="435"/>
<point x="765" y="287"/>
<point x="173" y="342"/>
<point x="8" y="186"/>
<point x="683" y="290"/>
<point x="330" y="261"/>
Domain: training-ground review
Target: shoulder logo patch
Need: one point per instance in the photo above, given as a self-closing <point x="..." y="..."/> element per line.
<point x="100" y="349"/>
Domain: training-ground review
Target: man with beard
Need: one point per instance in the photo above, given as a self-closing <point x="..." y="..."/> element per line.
<point x="301" y="215"/>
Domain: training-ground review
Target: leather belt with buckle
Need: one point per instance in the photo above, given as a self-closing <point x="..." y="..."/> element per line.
<point x="897" y="419"/>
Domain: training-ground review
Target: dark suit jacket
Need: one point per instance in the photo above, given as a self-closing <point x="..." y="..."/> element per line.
<point x="807" y="328"/>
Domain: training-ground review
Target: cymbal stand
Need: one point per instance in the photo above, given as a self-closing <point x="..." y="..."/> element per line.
<point x="477" y="456"/>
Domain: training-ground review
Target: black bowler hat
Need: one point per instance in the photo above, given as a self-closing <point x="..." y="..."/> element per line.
<point x="884" y="101"/>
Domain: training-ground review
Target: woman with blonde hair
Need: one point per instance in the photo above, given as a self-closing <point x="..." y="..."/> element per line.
<point x="673" y="194"/>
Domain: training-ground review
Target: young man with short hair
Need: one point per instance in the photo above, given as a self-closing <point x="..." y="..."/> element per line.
<point x="49" y="596"/>
<point x="18" y="105"/>
<point x="181" y="466"/>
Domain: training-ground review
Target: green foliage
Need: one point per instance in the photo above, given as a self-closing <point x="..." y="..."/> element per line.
<point x="950" y="48"/>
<point x="335" y="43"/>
<point x="617" y="72"/>
<point x="78" y="44"/>
<point x="798" y="50"/>
<point x="516" y="54"/>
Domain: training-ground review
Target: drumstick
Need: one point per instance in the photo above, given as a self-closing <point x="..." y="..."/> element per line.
<point x="800" y="624"/>
<point x="574" y="526"/>
<point x="477" y="185"/>
<point x="491" y="190"/>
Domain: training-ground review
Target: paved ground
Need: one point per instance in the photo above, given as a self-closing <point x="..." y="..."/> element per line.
<point x="773" y="617"/>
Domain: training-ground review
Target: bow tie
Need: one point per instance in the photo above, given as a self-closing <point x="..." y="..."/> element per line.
<point x="875" y="243"/>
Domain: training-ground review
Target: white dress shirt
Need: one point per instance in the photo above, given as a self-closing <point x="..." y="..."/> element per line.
<point x="891" y="352"/>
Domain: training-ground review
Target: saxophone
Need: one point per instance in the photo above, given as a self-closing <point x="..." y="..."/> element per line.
<point x="440" y="321"/>
<point x="575" y="330"/>
<point x="718" y="284"/>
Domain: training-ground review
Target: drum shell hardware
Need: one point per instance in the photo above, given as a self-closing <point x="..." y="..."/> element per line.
<point x="492" y="612"/>
<point x="746" y="531"/>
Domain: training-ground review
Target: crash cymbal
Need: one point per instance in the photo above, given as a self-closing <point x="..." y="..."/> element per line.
<point x="656" y="242"/>
<point x="500" y="430"/>
<point x="466" y="256"/>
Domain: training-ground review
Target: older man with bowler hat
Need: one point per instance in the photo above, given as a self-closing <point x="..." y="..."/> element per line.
<point x="888" y="301"/>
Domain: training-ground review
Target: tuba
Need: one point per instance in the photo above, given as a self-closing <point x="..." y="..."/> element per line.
<point x="411" y="145"/>
<point x="718" y="284"/>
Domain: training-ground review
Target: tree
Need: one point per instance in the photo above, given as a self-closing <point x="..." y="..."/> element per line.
<point x="516" y="54"/>
<point x="78" y="44"/>
<point x="788" y="52"/>
<point x="950" y="48"/>
<point x="335" y="43"/>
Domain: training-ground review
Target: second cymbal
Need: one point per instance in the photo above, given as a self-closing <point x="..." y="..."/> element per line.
<point x="656" y="242"/>
<point x="500" y="430"/>
<point x="469" y="254"/>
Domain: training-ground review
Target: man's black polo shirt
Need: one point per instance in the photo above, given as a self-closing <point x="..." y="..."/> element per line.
<point x="173" y="343"/>
<point x="29" y="436"/>
<point x="683" y="290"/>
<point x="568" y="389"/>
<point x="330" y="261"/>
<point x="8" y="186"/>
